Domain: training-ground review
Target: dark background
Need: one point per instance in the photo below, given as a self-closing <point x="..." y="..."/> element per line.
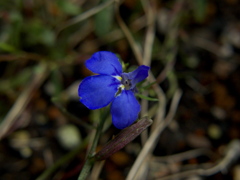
<point x="42" y="63"/>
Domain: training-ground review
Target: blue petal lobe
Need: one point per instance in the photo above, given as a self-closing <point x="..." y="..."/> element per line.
<point x="104" y="62"/>
<point x="137" y="75"/>
<point x="97" y="91"/>
<point x="124" y="109"/>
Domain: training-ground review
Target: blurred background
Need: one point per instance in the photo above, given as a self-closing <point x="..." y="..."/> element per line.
<point x="195" y="47"/>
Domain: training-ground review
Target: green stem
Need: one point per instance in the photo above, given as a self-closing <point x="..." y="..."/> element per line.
<point x="63" y="160"/>
<point x="58" y="103"/>
<point x="89" y="162"/>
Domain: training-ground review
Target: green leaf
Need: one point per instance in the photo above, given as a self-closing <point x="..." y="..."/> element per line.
<point x="15" y="29"/>
<point x="149" y="85"/>
<point x="147" y="98"/>
<point x="7" y="47"/>
<point x="68" y="7"/>
<point x="142" y="88"/>
<point x="103" y="21"/>
<point x="200" y="7"/>
<point x="38" y="33"/>
<point x="56" y="82"/>
<point x="20" y="79"/>
<point x="48" y="37"/>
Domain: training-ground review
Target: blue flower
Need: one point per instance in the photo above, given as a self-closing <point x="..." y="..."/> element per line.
<point x="112" y="85"/>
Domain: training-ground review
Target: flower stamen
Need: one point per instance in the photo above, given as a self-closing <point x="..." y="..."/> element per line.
<point x="118" y="78"/>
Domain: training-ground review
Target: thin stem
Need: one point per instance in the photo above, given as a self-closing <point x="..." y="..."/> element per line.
<point x="183" y="156"/>
<point x="23" y="99"/>
<point x="151" y="143"/>
<point x="97" y="168"/>
<point x="89" y="161"/>
<point x="147" y="53"/>
<point x="86" y="15"/>
<point x="232" y="154"/>
<point x="150" y="33"/>
<point x="63" y="160"/>
<point x="135" y="47"/>
<point x="71" y="117"/>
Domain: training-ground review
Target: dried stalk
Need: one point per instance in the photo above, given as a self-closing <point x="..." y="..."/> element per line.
<point x="151" y="143"/>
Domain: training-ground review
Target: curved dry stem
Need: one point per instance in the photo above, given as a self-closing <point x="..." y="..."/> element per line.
<point x="97" y="168"/>
<point x="183" y="156"/>
<point x="150" y="12"/>
<point x="135" y="47"/>
<point x="150" y="33"/>
<point x="151" y="143"/>
<point x="232" y="154"/>
<point x="162" y="103"/>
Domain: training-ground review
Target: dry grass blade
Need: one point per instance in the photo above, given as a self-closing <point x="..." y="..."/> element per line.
<point x="151" y="143"/>
<point x="86" y="15"/>
<point x="232" y="154"/>
<point x="135" y="47"/>
<point x="22" y="101"/>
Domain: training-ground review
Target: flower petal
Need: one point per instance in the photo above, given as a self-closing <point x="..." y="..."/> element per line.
<point x="137" y="75"/>
<point x="124" y="109"/>
<point x="104" y="62"/>
<point x="98" y="91"/>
